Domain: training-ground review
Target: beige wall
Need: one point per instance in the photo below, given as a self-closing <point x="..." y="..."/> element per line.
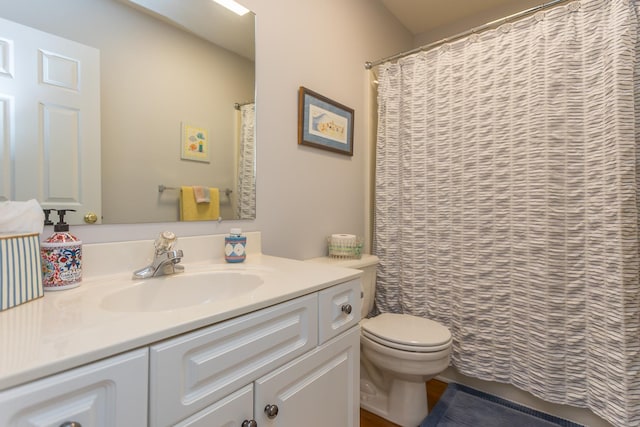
<point x="303" y="194"/>
<point x="468" y="22"/>
<point x="168" y="78"/>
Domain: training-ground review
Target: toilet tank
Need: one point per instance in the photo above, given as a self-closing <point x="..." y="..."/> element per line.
<point x="368" y="264"/>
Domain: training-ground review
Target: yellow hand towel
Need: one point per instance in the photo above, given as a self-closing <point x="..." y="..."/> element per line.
<point x="192" y="211"/>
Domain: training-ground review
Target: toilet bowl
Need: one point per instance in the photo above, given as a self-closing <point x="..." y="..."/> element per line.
<point x="399" y="353"/>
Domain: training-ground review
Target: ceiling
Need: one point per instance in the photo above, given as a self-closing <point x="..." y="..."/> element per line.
<point x="425" y="16"/>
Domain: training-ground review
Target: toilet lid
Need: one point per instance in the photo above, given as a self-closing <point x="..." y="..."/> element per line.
<point x="407" y="332"/>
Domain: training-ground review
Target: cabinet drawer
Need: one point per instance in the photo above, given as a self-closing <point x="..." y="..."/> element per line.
<point x="233" y="410"/>
<point x="112" y="392"/>
<point x="191" y="372"/>
<point x="339" y="309"/>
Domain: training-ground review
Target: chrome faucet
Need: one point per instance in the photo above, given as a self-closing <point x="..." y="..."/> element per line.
<point x="165" y="260"/>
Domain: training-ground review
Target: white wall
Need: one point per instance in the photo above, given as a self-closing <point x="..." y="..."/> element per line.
<point x="304" y="194"/>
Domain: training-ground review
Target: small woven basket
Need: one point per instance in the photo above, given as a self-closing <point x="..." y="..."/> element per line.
<point x="345" y="250"/>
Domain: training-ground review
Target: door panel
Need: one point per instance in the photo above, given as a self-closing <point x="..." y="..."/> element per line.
<point x="49" y="121"/>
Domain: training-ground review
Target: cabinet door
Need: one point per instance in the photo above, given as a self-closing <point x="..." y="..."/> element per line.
<point x="191" y="372"/>
<point x="319" y="389"/>
<point x="231" y="411"/>
<point x="112" y="392"/>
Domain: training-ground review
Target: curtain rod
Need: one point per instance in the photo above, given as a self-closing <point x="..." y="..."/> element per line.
<point x="237" y="105"/>
<point x="369" y="65"/>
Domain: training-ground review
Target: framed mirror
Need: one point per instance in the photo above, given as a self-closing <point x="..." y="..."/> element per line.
<point x="169" y="72"/>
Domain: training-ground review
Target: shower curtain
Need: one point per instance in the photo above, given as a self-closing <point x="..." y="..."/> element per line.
<point x="506" y="202"/>
<point x="247" y="164"/>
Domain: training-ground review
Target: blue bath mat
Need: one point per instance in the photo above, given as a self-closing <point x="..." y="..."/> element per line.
<point x="462" y="406"/>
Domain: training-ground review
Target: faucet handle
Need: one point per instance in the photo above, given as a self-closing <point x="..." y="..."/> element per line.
<point x="165" y="242"/>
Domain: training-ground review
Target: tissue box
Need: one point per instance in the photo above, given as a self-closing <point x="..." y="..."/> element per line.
<point x="20" y="270"/>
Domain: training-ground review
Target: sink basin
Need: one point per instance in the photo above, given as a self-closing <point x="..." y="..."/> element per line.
<point x="181" y="290"/>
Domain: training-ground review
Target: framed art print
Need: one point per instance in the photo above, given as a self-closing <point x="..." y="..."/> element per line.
<point x="324" y="124"/>
<point x="195" y="143"/>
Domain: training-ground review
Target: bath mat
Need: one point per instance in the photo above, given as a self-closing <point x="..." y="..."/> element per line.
<point x="461" y="406"/>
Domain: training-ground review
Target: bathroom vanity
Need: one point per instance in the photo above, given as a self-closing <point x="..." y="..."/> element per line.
<point x="281" y="351"/>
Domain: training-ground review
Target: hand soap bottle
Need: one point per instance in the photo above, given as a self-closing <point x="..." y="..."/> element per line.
<point x="61" y="257"/>
<point x="234" y="246"/>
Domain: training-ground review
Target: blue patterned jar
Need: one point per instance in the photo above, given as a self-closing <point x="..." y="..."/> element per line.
<point x="61" y="261"/>
<point x="234" y="246"/>
<point x="61" y="257"/>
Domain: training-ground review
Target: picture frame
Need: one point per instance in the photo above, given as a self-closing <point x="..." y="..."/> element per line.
<point x="195" y="143"/>
<point x="324" y="123"/>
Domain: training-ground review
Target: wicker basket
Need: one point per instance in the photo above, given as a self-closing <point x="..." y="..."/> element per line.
<point x="345" y="250"/>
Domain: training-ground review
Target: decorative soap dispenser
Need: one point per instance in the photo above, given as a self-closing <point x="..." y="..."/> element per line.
<point x="234" y="246"/>
<point x="61" y="257"/>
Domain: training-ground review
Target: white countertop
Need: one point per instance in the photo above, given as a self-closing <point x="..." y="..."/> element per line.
<point x="69" y="328"/>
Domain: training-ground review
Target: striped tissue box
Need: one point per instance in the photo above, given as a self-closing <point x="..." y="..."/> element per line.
<point x="20" y="270"/>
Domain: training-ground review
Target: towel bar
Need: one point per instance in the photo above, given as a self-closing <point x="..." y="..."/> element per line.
<point x="162" y="188"/>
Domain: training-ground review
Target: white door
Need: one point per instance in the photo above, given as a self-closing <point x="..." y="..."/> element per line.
<point x="49" y="121"/>
<point x="319" y="389"/>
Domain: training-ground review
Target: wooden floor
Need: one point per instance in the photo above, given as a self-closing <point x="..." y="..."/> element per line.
<point x="435" y="389"/>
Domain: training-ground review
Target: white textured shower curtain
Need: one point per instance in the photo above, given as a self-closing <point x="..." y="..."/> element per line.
<point x="247" y="163"/>
<point x="506" y="202"/>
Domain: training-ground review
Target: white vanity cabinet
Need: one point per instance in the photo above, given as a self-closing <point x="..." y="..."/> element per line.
<point x="195" y="370"/>
<point x="296" y="363"/>
<point x="112" y="392"/>
<point x="293" y="363"/>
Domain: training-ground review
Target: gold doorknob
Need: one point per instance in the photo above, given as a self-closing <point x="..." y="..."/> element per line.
<point x="90" y="218"/>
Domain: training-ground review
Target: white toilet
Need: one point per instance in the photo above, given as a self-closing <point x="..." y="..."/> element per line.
<point x="399" y="353"/>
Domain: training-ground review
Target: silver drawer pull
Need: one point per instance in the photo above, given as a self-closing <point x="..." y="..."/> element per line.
<point x="271" y="411"/>
<point x="346" y="308"/>
<point x="249" y="423"/>
<point x="70" y="424"/>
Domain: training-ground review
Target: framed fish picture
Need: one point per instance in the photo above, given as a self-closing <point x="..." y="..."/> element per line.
<point x="195" y="143"/>
<point x="323" y="123"/>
